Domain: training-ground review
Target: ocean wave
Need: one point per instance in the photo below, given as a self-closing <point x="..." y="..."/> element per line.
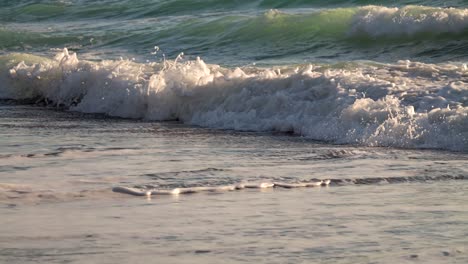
<point x="22" y="11"/>
<point x="407" y="104"/>
<point x="371" y="32"/>
<point x="340" y="24"/>
<point x="375" y="21"/>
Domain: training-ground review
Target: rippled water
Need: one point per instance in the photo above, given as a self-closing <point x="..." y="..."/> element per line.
<point x="58" y="168"/>
<point x="352" y="224"/>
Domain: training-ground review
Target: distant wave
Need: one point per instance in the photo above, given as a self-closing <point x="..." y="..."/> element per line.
<point x="408" y="104"/>
<point x="371" y="32"/>
<point x="21" y="11"/>
<point x="371" y="21"/>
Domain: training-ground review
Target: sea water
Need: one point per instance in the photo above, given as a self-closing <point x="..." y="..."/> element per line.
<point x="353" y="115"/>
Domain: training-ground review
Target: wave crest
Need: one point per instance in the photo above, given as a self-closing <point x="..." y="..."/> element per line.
<point x="408" y="104"/>
<point x="409" y="20"/>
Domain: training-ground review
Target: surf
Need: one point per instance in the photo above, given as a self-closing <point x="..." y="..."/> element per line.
<point x="408" y="104"/>
<point x="287" y="35"/>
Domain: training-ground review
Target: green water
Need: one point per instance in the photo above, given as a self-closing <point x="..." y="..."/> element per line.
<point x="240" y="32"/>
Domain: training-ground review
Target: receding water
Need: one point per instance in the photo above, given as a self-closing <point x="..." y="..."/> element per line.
<point x="58" y="168"/>
<point x="416" y="222"/>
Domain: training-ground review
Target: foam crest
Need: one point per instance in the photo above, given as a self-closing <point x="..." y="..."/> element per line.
<point x="408" y="104"/>
<point x="409" y="20"/>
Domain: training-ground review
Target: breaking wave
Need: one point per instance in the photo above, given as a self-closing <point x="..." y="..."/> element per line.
<point x="407" y="104"/>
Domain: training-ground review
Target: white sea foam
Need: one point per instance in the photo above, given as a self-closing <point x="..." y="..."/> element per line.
<point x="408" y="104"/>
<point x="408" y="20"/>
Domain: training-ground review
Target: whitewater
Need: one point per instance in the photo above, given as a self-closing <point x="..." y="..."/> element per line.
<point x="263" y="131"/>
<point x="407" y="104"/>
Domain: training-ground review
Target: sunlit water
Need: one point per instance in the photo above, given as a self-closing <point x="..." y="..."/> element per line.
<point x="100" y="100"/>
<point x="58" y="170"/>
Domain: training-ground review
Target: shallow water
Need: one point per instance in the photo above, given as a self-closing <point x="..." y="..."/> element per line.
<point x="58" y="168"/>
<point x="73" y="154"/>
<point x="408" y="223"/>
